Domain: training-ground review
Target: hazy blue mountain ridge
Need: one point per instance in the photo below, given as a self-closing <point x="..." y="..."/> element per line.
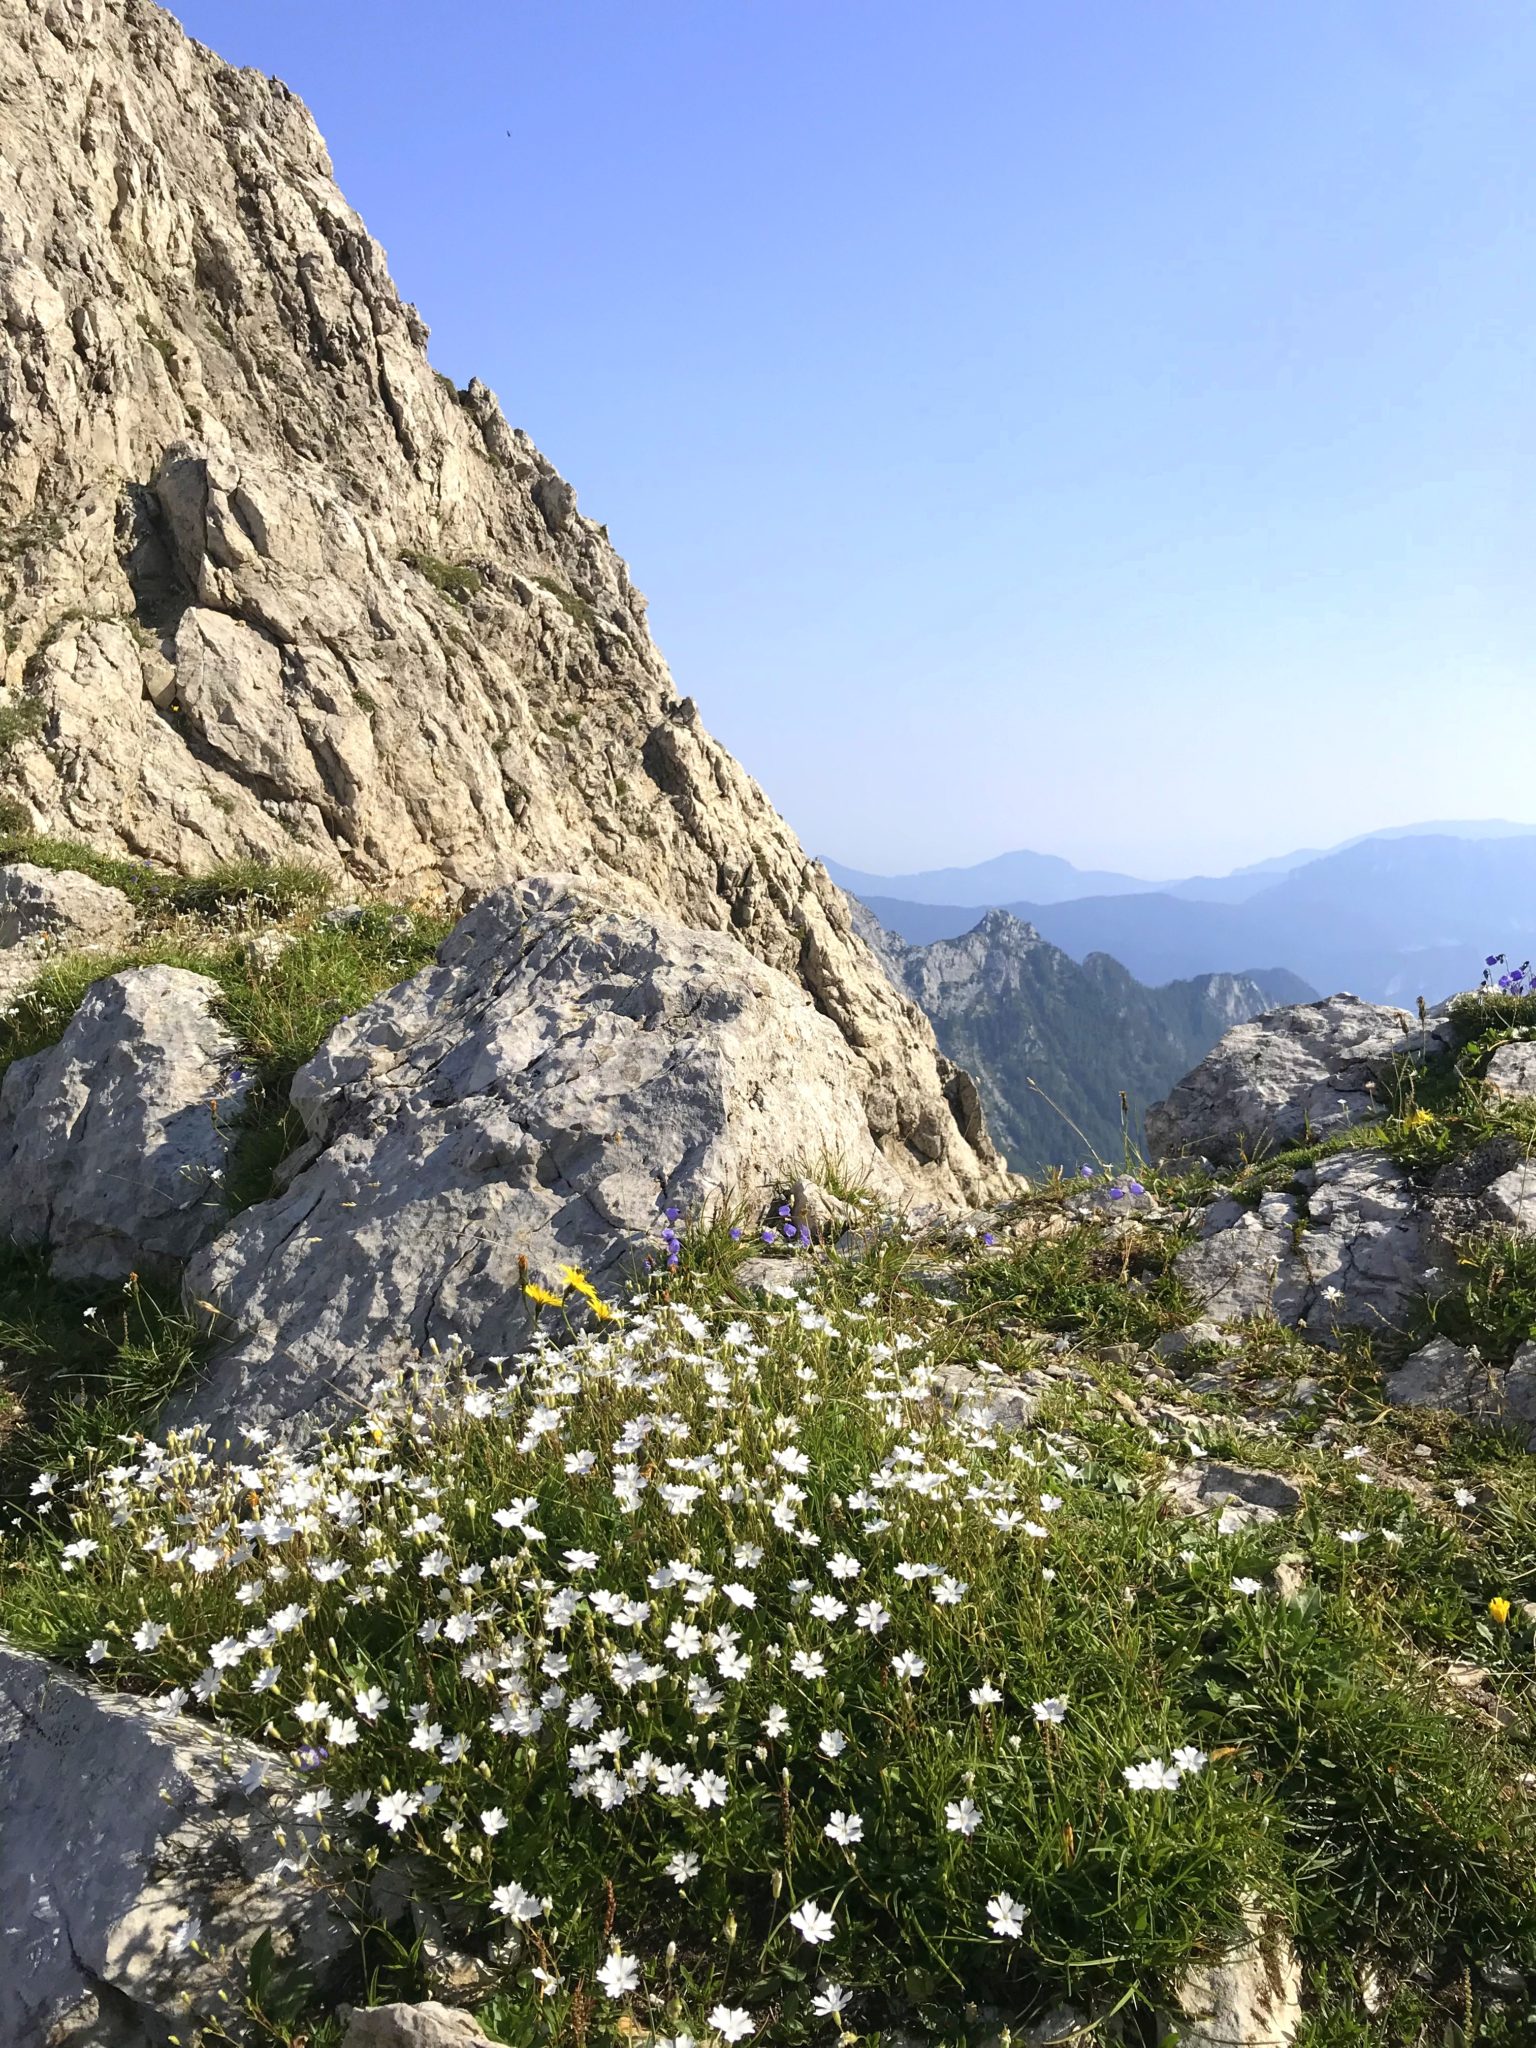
<point x="1389" y="917"/>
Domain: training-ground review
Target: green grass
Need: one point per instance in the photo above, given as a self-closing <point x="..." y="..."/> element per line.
<point x="575" y="606"/>
<point x="1077" y="1284"/>
<point x="19" y="722"/>
<point x="276" y="889"/>
<point x="1346" y="1785"/>
<point x="456" y="581"/>
<point x="1492" y="1301"/>
<point x="80" y="1365"/>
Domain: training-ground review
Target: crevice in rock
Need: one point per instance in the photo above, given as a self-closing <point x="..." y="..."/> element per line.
<point x="161" y="592"/>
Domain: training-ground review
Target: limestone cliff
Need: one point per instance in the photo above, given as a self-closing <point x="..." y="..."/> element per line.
<point x="272" y="586"/>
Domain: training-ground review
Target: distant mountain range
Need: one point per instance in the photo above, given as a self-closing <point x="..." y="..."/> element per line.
<point x="1052" y="1043"/>
<point x="1396" y="914"/>
<point x="1046" y="878"/>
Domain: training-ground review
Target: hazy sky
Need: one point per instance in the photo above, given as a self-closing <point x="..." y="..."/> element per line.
<point x="1103" y="428"/>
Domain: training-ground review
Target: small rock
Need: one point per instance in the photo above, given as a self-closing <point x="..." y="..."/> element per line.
<point x="1061" y="2023"/>
<point x="1440" y="1375"/>
<point x="429" y="2025"/>
<point x="816" y="1213"/>
<point x="1174" y="1343"/>
<point x="263" y="950"/>
<point x="1269" y="1492"/>
<point x="1291" y="1574"/>
<point x="1250" y="1999"/>
<point x="774" y="1276"/>
<point x="944" y="1283"/>
<point x="1246" y="1498"/>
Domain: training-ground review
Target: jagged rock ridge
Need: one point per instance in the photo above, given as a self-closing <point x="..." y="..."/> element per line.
<point x="1014" y="1009"/>
<point x="272" y="586"/>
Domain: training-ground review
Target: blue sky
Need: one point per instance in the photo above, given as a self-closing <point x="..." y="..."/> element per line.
<point x="1103" y="428"/>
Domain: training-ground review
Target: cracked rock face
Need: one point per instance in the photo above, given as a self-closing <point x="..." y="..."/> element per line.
<point x="1454" y="1377"/>
<point x="1354" y="1258"/>
<point x="1288" y="1078"/>
<point x="113" y="1142"/>
<point x="120" y="1829"/>
<point x="573" y="1065"/>
<point x="274" y="588"/>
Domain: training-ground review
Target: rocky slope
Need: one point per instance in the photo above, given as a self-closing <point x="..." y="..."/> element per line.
<point x="1013" y="1009"/>
<point x="272" y="586"/>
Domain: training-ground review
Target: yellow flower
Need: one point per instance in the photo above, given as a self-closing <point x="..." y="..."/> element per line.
<point x="577" y="1280"/>
<point x="535" y="1292"/>
<point x="1499" y="1609"/>
<point x="1416" y="1119"/>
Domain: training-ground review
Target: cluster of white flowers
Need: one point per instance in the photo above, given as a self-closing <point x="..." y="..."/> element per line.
<point x="629" y="1569"/>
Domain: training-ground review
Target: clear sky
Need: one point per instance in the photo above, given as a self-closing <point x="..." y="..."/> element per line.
<point x="1102" y="426"/>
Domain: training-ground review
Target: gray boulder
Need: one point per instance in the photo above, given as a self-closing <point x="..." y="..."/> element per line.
<point x="66" y="908"/>
<point x="1244" y="1264"/>
<point x="1287" y="1078"/>
<point x="1456" y="1379"/>
<point x="135" y="1872"/>
<point x="1512" y="1070"/>
<point x="1441" y="1374"/>
<point x="113" y="1142"/>
<point x="1346" y="1252"/>
<point x="571" y="1066"/>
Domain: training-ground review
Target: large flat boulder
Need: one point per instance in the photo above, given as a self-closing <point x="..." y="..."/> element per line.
<point x="136" y="1872"/>
<point x="113" y="1142"/>
<point x="1288" y="1078"/>
<point x="572" y="1065"/>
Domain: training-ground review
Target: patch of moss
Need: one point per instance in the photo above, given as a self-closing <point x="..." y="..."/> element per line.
<point x="575" y="606"/>
<point x="456" y="581"/>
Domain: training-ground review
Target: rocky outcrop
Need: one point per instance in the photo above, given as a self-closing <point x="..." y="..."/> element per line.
<point x="273" y="587"/>
<point x="1347" y="1250"/>
<point x="573" y="1066"/>
<point x="113" y="1142"/>
<point x="138" y="1852"/>
<point x="1455" y="1378"/>
<point x="1290" y="1078"/>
